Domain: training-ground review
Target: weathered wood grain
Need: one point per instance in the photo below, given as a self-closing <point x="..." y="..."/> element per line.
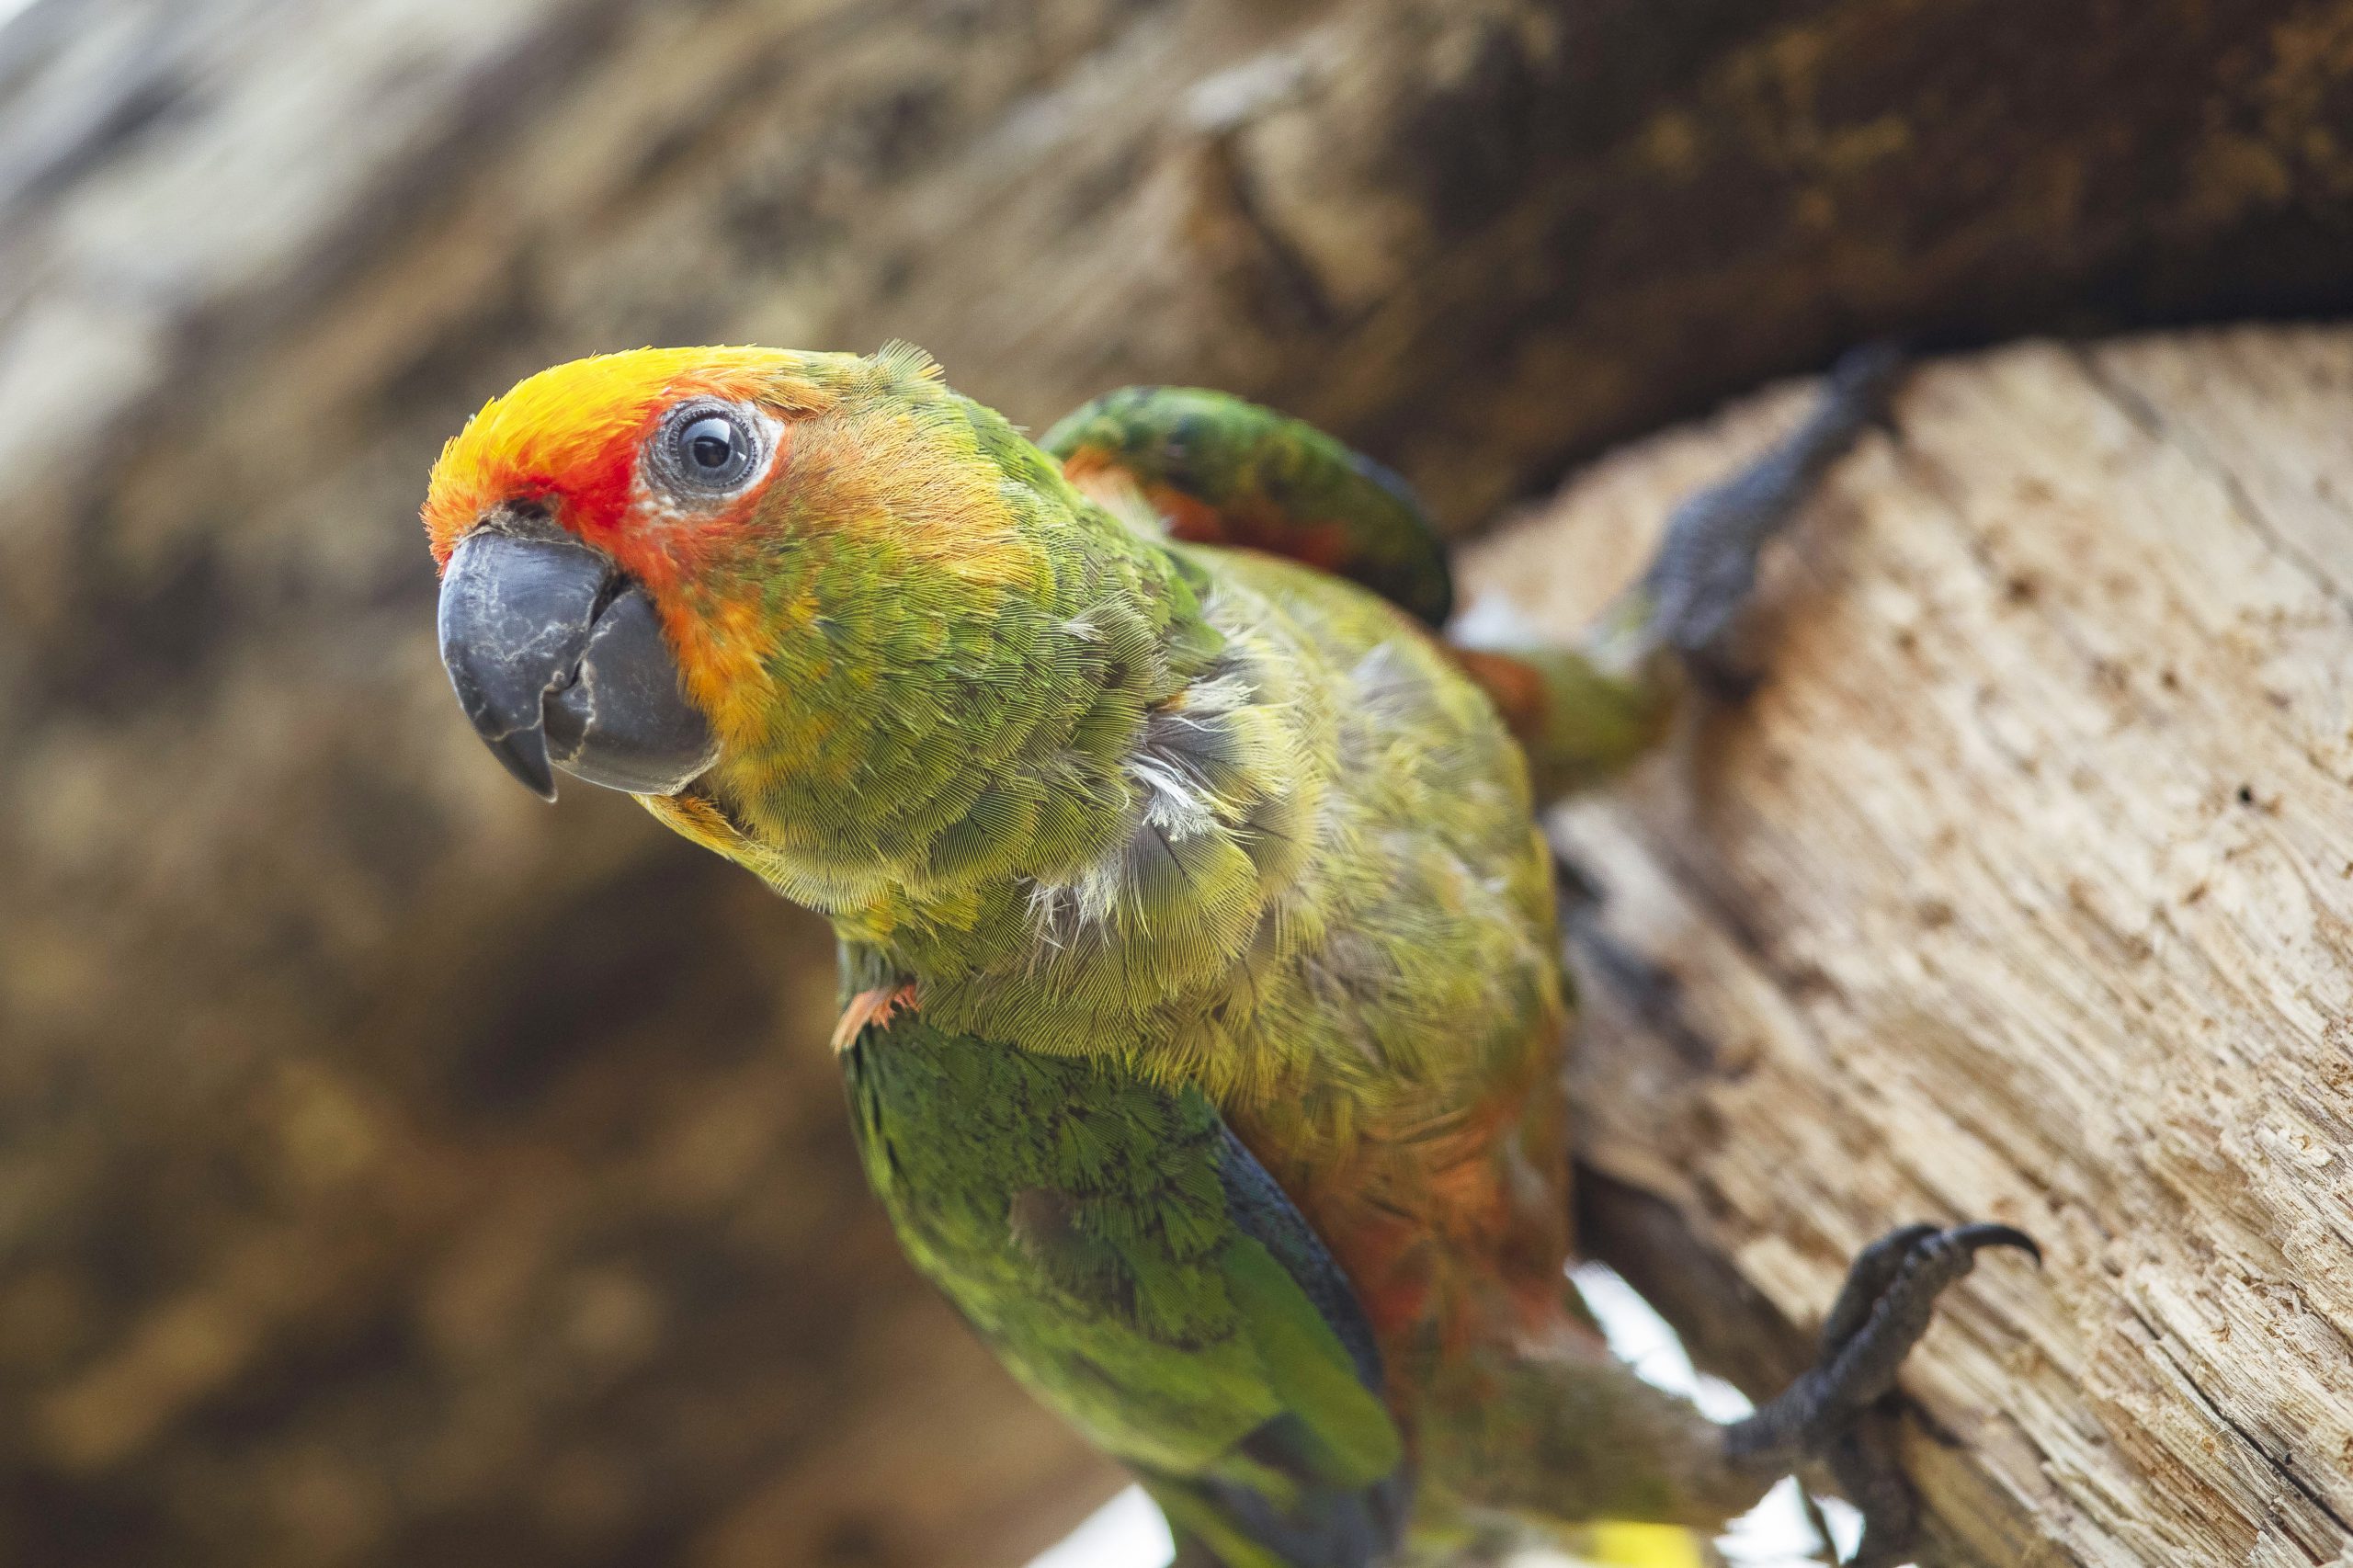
<point x="2024" y="889"/>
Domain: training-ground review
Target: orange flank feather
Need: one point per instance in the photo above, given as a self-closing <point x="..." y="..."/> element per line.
<point x="1517" y="686"/>
<point x="1489" y="1213"/>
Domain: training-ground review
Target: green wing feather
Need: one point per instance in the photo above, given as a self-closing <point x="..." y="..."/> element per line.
<point x="1135" y="1267"/>
<point x="1225" y="471"/>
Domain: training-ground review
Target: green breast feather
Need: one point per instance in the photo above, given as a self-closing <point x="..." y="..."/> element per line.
<point x="1138" y="1270"/>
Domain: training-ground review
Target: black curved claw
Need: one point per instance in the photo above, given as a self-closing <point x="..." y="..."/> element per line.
<point x="1881" y="1311"/>
<point x="1980" y="1236"/>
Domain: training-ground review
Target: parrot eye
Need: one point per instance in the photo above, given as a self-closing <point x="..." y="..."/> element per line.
<point x="712" y="445"/>
<point x="706" y="449"/>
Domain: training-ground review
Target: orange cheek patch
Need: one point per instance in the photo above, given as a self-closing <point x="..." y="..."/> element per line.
<point x="720" y="649"/>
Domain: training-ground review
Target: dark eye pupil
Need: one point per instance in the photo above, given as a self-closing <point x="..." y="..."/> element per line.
<point x="711" y="444"/>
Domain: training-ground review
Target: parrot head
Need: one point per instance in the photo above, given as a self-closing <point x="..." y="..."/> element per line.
<point x="822" y="615"/>
<point x="652" y="562"/>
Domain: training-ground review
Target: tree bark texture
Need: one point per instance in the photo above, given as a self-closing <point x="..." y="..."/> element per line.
<point x="392" y="1170"/>
<point x="2023" y="891"/>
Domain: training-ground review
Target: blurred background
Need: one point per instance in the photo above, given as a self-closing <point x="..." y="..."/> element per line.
<point x="393" y="1170"/>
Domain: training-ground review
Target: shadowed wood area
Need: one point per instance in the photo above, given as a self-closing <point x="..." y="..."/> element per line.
<point x="395" y="1171"/>
<point x="2023" y="891"/>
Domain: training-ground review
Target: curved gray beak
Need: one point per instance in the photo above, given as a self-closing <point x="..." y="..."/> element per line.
<point x="559" y="660"/>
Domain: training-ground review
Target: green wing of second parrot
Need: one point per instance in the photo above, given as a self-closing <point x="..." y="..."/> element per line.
<point x="1139" y="1270"/>
<point x="1221" y="471"/>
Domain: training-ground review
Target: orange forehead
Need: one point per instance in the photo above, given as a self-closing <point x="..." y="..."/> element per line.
<point x="571" y="434"/>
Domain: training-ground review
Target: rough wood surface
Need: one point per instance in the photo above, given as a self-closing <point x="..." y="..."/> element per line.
<point x="393" y="1171"/>
<point x="2023" y="891"/>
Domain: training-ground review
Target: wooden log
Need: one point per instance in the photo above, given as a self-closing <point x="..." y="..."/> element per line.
<point x="2023" y="891"/>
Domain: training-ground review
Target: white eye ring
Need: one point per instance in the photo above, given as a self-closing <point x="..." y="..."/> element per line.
<point x="706" y="449"/>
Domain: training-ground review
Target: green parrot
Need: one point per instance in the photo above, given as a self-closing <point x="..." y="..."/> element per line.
<point x="1203" y="999"/>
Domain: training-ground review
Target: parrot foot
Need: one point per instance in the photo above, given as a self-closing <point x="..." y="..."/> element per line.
<point x="1705" y="570"/>
<point x="1830" y="1412"/>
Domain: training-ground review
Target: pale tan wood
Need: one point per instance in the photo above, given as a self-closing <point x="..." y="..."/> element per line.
<point x="2023" y="891"/>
